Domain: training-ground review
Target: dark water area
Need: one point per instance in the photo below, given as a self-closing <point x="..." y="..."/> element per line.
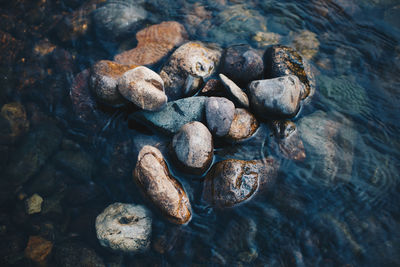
<point x="338" y="207"/>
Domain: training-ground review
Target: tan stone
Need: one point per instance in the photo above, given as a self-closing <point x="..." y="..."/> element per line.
<point x="244" y="125"/>
<point x="151" y="174"/>
<point x="15" y="114"/>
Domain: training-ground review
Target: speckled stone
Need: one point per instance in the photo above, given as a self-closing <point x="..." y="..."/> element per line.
<point x="152" y="176"/>
<point x="124" y="227"/>
<point x="144" y="88"/>
<point x="192" y="147"/>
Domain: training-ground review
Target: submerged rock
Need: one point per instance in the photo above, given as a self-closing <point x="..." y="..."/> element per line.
<point x="264" y="39"/>
<point x="116" y="18"/>
<point x="242" y="64"/>
<point x="104" y="81"/>
<point x="234" y="91"/>
<point x="219" y="114"/>
<point x="144" y="88"/>
<point x="154" y="42"/>
<point x="282" y="60"/>
<point x="189" y="63"/>
<point x="344" y="94"/>
<point x="232" y="181"/>
<point x="176" y="114"/>
<point x="329" y="141"/>
<point x="32" y="153"/>
<point x="34" y="204"/>
<point x="38" y="250"/>
<point x="192" y="147"/>
<point x="72" y="253"/>
<point x="243" y="125"/>
<point x="288" y="140"/>
<point x="151" y="174"/>
<point x="124" y="227"/>
<point x="306" y="43"/>
<point x="279" y="97"/>
<point x="78" y="164"/>
<point x="238" y="244"/>
<point x="17" y="124"/>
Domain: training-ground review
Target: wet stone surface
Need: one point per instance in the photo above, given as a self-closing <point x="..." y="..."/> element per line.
<point x="152" y="176"/>
<point x="243" y="125"/>
<point x="124" y="227"/>
<point x="219" y="114"/>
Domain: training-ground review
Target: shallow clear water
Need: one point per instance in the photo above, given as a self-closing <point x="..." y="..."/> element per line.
<point x="309" y="218"/>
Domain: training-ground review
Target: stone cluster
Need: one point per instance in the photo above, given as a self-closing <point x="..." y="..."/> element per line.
<point x="239" y="88"/>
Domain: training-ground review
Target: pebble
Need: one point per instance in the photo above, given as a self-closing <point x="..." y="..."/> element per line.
<point x="329" y="143"/>
<point x="17" y="124"/>
<point x="243" y="126"/>
<point x="124" y="228"/>
<point x="192" y="147"/>
<point x="154" y="43"/>
<point x="306" y="42"/>
<point x="288" y="140"/>
<point x="176" y="114"/>
<point x="219" y="115"/>
<point x="233" y="181"/>
<point x="38" y="250"/>
<point x="144" y="88"/>
<point x="237" y="94"/>
<point x="118" y="18"/>
<point x="152" y="176"/>
<point x="279" y="97"/>
<point x="213" y="87"/>
<point x="264" y="39"/>
<point x="78" y="164"/>
<point x="282" y="61"/>
<point x="33" y="204"/>
<point x="33" y="152"/>
<point x="242" y="64"/>
<point x="104" y="81"/>
<point x="74" y="253"/>
<point x="190" y="62"/>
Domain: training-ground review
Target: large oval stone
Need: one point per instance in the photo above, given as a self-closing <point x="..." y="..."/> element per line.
<point x="151" y="174"/>
<point x="219" y="114"/>
<point x="192" y="147"/>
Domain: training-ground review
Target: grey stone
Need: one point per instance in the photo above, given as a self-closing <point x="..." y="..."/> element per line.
<point x="32" y="153"/>
<point x="152" y="176"/>
<point x="176" y="114"/>
<point x="187" y="66"/>
<point x="329" y="143"/>
<point x="242" y="63"/>
<point x="276" y="97"/>
<point x="124" y="227"/>
<point x="192" y="147"/>
<point x="144" y="88"/>
<point x="117" y="18"/>
<point x="235" y="92"/>
<point x="219" y="114"/>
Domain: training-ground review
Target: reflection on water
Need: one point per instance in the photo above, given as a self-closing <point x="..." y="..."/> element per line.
<point x="338" y="207"/>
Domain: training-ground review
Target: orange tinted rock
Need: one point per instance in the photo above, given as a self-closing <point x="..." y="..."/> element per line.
<point x="38" y="249"/>
<point x="15" y="114"/>
<point x="154" y="43"/>
<point x="9" y="47"/>
<point x="244" y="125"/>
<point x="151" y="174"/>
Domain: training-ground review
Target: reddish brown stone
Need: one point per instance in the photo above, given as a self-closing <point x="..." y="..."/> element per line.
<point x="38" y="249"/>
<point x="151" y="174"/>
<point x="154" y="43"/>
